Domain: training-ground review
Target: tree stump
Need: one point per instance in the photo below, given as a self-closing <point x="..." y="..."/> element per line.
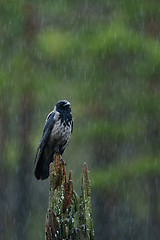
<point x="68" y="216"/>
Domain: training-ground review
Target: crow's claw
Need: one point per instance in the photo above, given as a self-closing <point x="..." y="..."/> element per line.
<point x="56" y="150"/>
<point x="63" y="162"/>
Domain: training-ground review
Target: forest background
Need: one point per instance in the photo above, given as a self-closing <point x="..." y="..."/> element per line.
<point x="103" y="57"/>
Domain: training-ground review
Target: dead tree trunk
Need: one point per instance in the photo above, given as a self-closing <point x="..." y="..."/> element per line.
<point x="69" y="216"/>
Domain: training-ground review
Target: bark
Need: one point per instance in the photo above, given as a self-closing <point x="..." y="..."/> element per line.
<point x="68" y="216"/>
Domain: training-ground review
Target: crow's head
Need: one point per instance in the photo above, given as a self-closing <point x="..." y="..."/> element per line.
<point x="63" y="105"/>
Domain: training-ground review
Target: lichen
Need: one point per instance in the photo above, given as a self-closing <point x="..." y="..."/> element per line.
<point x="65" y="205"/>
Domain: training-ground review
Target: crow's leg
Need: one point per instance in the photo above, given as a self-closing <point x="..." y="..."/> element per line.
<point x="56" y="150"/>
<point x="63" y="162"/>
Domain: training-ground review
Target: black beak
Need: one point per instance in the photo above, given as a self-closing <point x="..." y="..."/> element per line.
<point x="67" y="104"/>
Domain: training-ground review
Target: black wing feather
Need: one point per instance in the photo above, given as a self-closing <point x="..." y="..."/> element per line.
<point x="46" y="134"/>
<point x="43" y="148"/>
<point x="72" y="126"/>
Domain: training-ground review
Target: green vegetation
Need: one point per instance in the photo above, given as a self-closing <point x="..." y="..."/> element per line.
<point x="117" y="175"/>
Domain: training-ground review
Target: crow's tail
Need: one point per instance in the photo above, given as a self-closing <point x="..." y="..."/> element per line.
<point x="42" y="166"/>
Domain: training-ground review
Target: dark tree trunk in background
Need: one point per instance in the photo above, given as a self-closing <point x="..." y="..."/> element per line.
<point x="5" y="215"/>
<point x="26" y="110"/>
<point x="31" y="23"/>
<point x="23" y="176"/>
<point x="154" y="219"/>
<point x="153" y="136"/>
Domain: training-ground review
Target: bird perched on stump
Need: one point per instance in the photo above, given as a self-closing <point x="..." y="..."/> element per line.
<point x="56" y="134"/>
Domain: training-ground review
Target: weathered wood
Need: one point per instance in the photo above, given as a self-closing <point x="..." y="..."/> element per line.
<point x="85" y="213"/>
<point x="68" y="217"/>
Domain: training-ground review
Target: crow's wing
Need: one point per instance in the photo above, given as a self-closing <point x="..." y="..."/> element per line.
<point x="72" y="126"/>
<point x="46" y="134"/>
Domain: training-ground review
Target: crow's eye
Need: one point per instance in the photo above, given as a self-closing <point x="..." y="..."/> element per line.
<point x="63" y="104"/>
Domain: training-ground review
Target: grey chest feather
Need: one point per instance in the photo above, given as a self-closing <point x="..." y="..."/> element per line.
<point x="60" y="132"/>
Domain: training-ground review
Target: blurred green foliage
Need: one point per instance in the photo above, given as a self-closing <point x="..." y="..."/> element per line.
<point x="114" y="177"/>
<point x="104" y="57"/>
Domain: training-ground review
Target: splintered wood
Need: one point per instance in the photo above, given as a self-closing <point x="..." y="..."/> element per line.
<point x="68" y="216"/>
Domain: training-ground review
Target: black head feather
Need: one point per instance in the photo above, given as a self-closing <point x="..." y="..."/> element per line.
<point x="63" y="106"/>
